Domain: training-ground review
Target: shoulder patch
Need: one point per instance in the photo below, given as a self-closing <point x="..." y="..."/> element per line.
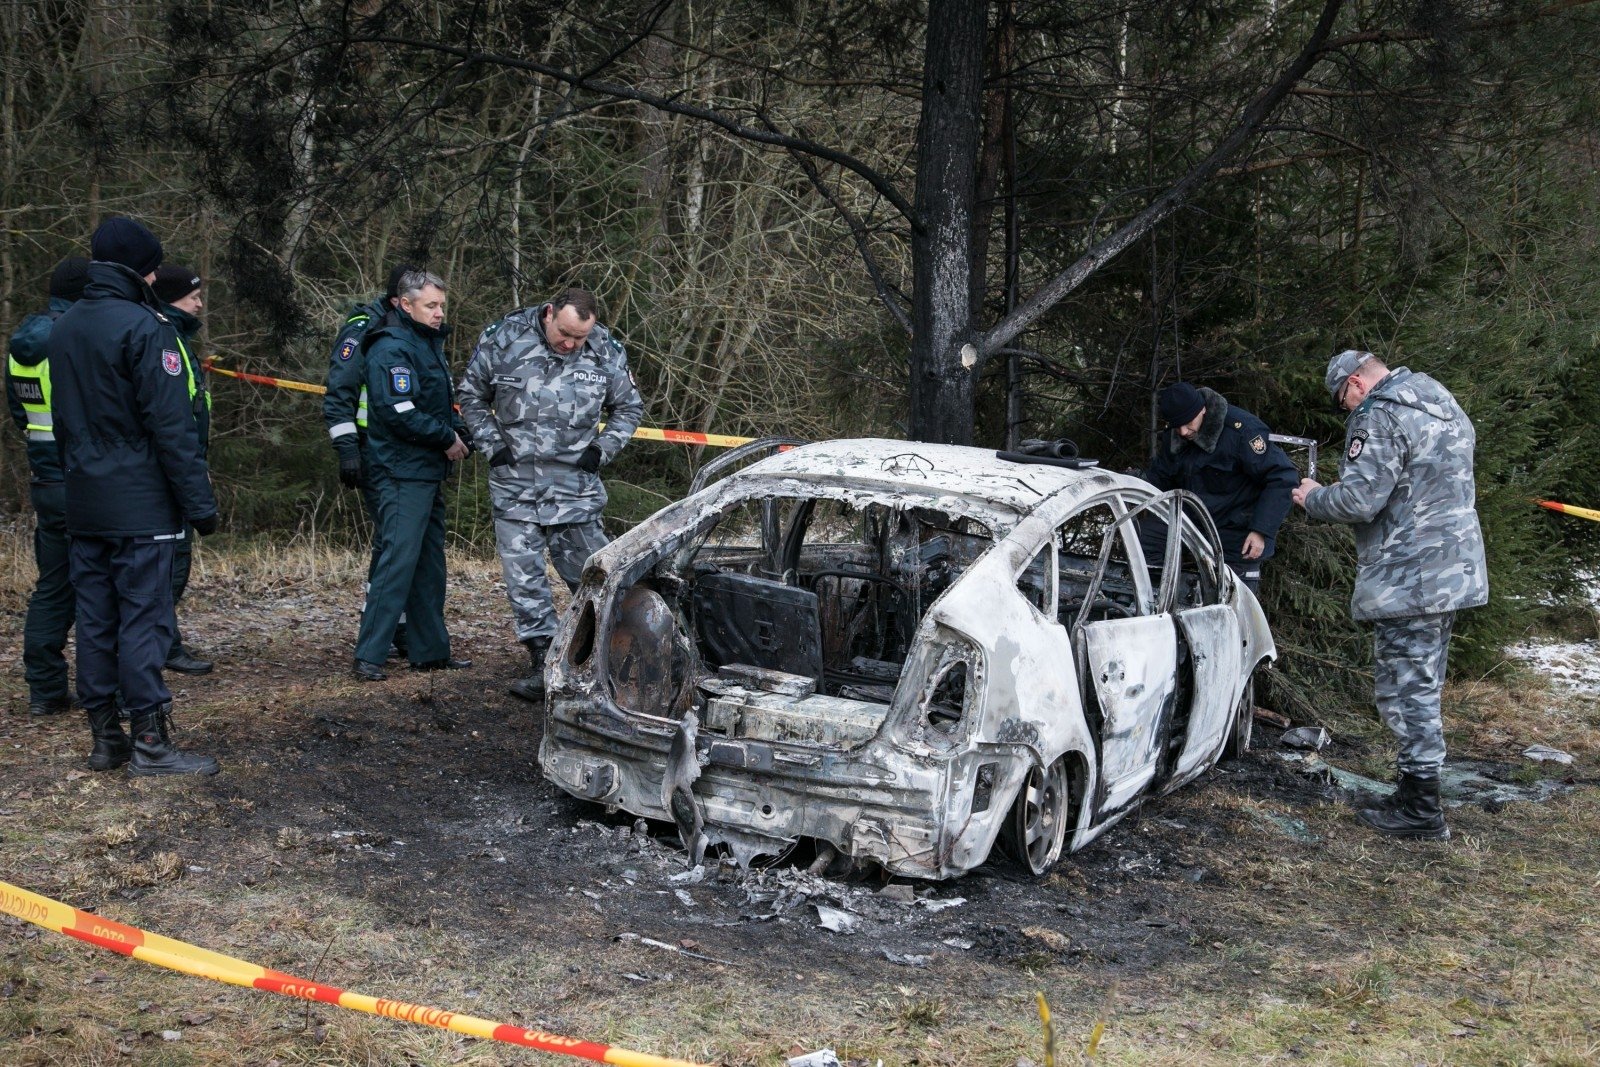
<point x="1258" y="445"/>
<point x="1358" y="441"/>
<point x="400" y="381"/>
<point x="348" y="349"/>
<point x="171" y="362"/>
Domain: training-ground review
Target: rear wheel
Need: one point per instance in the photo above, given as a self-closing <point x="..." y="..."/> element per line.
<point x="1037" y="827"/>
<point x="1244" y="722"/>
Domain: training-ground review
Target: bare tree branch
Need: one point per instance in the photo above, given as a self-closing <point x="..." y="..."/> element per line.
<point x="1101" y="253"/>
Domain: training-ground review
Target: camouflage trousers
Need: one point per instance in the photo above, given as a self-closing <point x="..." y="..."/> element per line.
<point x="1410" y="656"/>
<point x="522" y="543"/>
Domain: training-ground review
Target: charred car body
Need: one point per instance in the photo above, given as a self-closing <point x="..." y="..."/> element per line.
<point x="907" y="651"/>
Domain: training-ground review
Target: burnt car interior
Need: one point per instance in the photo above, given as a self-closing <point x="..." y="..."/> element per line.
<point x="819" y="588"/>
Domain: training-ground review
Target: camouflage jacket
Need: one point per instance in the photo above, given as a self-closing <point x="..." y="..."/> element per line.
<point x="1405" y="484"/>
<point x="547" y="408"/>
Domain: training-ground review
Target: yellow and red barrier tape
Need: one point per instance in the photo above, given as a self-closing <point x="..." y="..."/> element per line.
<point x="643" y="433"/>
<point x="203" y="963"/>
<point x="1569" y="509"/>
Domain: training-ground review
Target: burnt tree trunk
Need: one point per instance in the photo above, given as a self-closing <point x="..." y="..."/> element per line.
<point x="941" y="242"/>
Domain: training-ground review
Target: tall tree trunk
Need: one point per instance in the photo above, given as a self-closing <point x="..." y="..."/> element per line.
<point x="943" y="364"/>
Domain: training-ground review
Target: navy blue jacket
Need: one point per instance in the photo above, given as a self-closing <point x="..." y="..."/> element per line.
<point x="1232" y="465"/>
<point x="347" y="373"/>
<point x="411" y="418"/>
<point x="123" y="420"/>
<point x="29" y="347"/>
<point x="188" y="329"/>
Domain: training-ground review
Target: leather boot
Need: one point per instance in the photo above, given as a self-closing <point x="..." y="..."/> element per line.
<point x="112" y="748"/>
<point x="1417" y="815"/>
<point x="154" y="753"/>
<point x="532" y="687"/>
<point x="1403" y="790"/>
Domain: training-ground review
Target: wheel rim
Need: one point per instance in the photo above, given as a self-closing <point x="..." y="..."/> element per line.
<point x="1040" y="817"/>
<point x="1244" y="720"/>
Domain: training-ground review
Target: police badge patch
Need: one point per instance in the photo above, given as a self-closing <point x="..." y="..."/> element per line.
<point x="1357" y="443"/>
<point x="171" y="362"/>
<point x="400" y="381"/>
<point x="347" y="349"/>
<point x="1258" y="445"/>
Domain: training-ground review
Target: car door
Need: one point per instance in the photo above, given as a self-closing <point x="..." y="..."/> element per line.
<point x="1209" y="627"/>
<point x="1129" y="663"/>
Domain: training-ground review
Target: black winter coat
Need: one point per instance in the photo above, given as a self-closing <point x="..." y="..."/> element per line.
<point x="123" y="421"/>
<point x="1232" y="465"/>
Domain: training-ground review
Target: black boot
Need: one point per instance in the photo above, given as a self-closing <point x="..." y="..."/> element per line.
<point x="184" y="660"/>
<point x="1415" y="814"/>
<point x="532" y="687"/>
<point x="111" y="746"/>
<point x="154" y="753"/>
<point x="1394" y="801"/>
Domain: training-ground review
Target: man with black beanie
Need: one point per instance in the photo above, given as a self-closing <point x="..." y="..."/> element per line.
<point x="179" y="290"/>
<point x="1225" y="456"/>
<point x="134" y="477"/>
<point x="344" y="411"/>
<point x="51" y="606"/>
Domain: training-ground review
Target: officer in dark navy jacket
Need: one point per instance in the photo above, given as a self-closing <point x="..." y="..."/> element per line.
<point x="50" y="607"/>
<point x="1225" y="456"/>
<point x="134" y="475"/>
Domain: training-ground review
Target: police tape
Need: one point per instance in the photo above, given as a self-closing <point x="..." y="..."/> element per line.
<point x="1568" y="509"/>
<point x="676" y="437"/>
<point x="203" y="963"/>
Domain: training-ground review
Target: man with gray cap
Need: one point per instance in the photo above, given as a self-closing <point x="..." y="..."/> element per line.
<point x="135" y="478"/>
<point x="534" y="394"/>
<point x="1406" y="485"/>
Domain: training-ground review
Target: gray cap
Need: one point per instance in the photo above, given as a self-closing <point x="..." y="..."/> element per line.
<point x="1343" y="365"/>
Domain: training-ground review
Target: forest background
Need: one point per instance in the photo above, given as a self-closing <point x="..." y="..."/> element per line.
<point x="745" y="184"/>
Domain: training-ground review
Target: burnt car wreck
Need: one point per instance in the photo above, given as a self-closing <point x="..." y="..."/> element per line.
<point x="907" y="652"/>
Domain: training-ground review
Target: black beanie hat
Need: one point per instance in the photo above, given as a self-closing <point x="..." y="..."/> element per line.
<point x="400" y="271"/>
<point x="122" y="240"/>
<point x="69" y="277"/>
<point x="1180" y="403"/>
<point x="173" y="283"/>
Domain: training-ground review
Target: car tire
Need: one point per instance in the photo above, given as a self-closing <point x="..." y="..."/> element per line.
<point x="1242" y="728"/>
<point x="1036" y="828"/>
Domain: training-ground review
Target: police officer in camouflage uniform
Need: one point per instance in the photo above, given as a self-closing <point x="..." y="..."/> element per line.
<point x="52" y="604"/>
<point x="179" y="290"/>
<point x="1225" y="456"/>
<point x="1406" y="485"/>
<point x="344" y="411"/>
<point x="415" y="435"/>
<point x="539" y="384"/>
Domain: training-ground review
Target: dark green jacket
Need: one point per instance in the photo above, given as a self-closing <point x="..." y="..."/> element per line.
<point x="341" y="407"/>
<point x="411" y="418"/>
<point x="188" y="330"/>
<point x="29" y="347"/>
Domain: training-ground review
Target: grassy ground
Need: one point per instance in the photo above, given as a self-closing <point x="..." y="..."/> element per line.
<point x="395" y="840"/>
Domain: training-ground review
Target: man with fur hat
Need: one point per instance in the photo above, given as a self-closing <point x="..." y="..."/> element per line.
<point x="51" y="605"/>
<point x="1225" y="456"/>
<point x="135" y="480"/>
<point x="179" y="290"/>
<point x="1406" y="486"/>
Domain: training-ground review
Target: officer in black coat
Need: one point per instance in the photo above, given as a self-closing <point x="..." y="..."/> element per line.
<point x="180" y="291"/>
<point x="51" y="606"/>
<point x="134" y="476"/>
<point x="1225" y="456"/>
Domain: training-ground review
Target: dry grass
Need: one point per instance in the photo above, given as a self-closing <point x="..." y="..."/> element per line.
<point x="1345" y="949"/>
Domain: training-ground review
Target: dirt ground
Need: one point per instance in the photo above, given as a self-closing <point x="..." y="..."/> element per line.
<point x="397" y="839"/>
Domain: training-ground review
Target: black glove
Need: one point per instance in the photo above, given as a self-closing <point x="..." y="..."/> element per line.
<point x="205" y="527"/>
<point x="501" y="457"/>
<point x="350" y="471"/>
<point x="590" y="460"/>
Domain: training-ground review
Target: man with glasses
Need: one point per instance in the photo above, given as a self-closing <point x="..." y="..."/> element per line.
<point x="1406" y="485"/>
<point x="538" y="386"/>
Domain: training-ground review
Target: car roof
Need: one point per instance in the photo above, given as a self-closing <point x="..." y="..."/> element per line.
<point x="977" y="474"/>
